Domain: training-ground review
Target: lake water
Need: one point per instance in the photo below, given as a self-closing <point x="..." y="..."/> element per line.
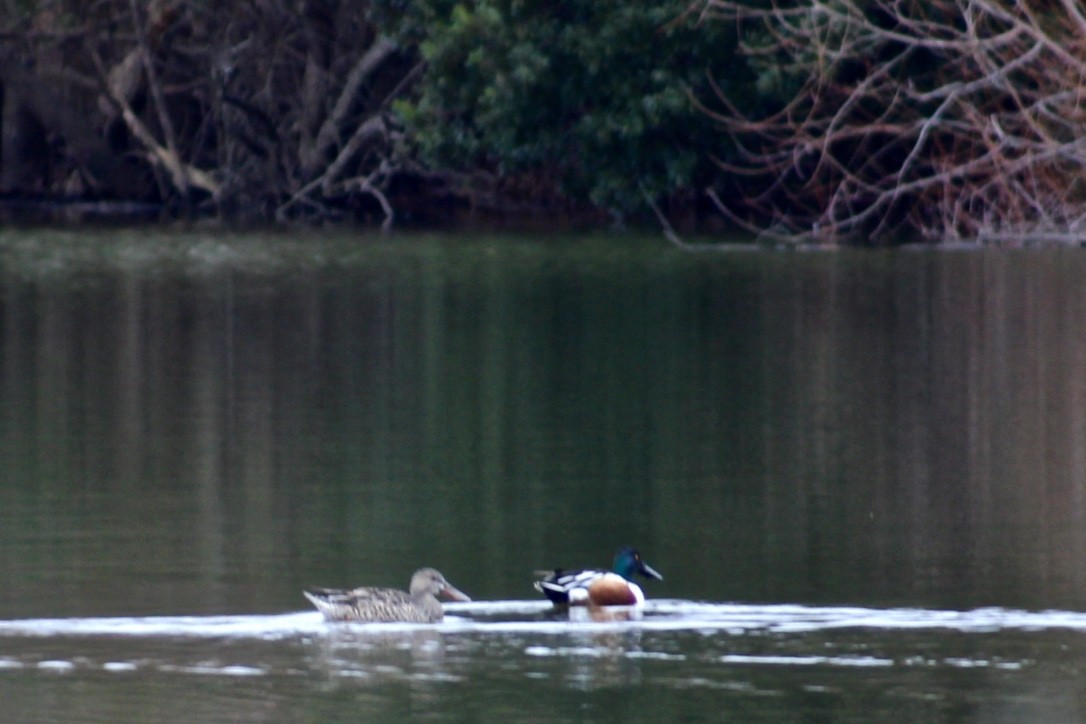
<point x="862" y="474"/>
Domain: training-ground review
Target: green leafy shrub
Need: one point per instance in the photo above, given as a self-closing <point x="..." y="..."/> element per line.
<point x="595" y="94"/>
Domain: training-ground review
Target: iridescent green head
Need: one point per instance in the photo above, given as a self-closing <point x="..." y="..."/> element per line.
<point x="628" y="561"/>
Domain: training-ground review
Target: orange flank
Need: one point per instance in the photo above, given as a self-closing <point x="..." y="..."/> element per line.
<point x="613" y="590"/>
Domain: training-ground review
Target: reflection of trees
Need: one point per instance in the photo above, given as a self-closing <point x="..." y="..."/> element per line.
<point x="263" y="430"/>
<point x="926" y="447"/>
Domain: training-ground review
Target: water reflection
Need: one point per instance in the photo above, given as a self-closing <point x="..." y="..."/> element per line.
<point x="607" y="614"/>
<point x="412" y="662"/>
<point x="596" y="659"/>
<point x="206" y="426"/>
<point x="809" y="656"/>
<point x="834" y="421"/>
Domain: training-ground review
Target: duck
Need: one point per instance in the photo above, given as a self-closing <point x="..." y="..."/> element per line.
<point x="597" y="587"/>
<point x="388" y="605"/>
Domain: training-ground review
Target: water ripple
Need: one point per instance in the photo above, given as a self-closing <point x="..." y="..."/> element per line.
<point x="504" y="617"/>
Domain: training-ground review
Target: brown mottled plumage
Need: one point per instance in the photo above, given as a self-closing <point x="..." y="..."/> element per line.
<point x="388" y="605"/>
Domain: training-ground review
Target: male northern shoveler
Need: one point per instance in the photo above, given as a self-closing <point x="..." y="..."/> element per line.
<point x="388" y="604"/>
<point x="601" y="588"/>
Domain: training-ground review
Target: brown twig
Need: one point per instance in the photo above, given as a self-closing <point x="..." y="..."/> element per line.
<point x="953" y="118"/>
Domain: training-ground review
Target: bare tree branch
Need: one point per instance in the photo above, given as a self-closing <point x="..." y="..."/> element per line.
<point x="956" y="118"/>
<point x="360" y="73"/>
<point x="265" y="106"/>
<point x="182" y="175"/>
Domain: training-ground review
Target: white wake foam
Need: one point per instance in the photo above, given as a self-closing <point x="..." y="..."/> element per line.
<point x="536" y="617"/>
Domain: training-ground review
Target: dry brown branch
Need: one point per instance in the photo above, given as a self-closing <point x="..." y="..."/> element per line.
<point x="373" y="128"/>
<point x="256" y="107"/>
<point x="183" y="176"/>
<point x="954" y="118"/>
<point x="143" y="53"/>
<point x="333" y="124"/>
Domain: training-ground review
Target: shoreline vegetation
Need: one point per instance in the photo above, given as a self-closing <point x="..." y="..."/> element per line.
<point x="797" y="122"/>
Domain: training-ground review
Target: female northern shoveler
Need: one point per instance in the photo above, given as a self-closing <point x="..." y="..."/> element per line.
<point x="388" y="604"/>
<point x="601" y="588"/>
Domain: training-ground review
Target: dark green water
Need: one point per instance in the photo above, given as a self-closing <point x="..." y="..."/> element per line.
<point x="203" y="425"/>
